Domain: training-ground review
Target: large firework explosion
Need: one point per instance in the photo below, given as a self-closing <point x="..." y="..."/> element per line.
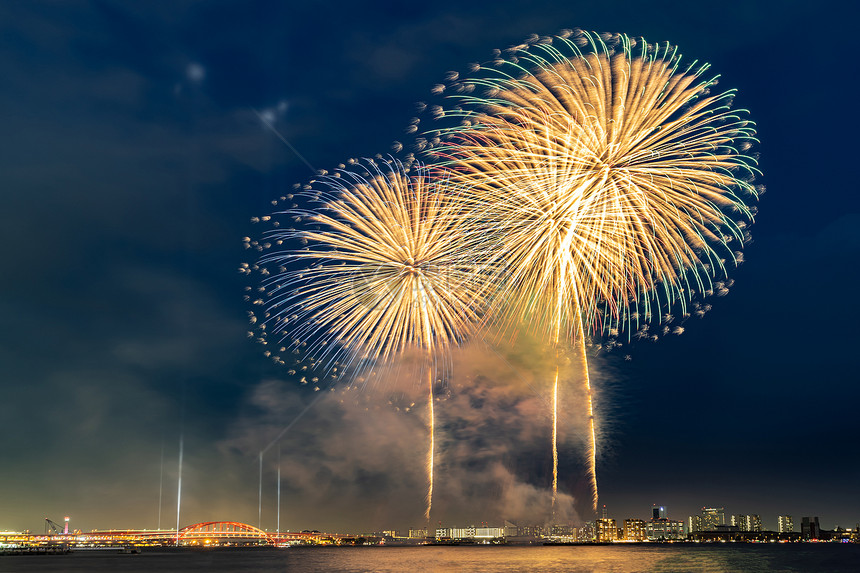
<point x="383" y="273"/>
<point x="611" y="180"/>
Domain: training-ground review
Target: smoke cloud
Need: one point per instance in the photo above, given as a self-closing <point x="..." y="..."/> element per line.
<point x="357" y="454"/>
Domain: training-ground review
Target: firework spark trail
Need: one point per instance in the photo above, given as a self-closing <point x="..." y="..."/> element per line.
<point x="557" y="334"/>
<point x="589" y="412"/>
<point x="384" y="273"/>
<point x="555" y="438"/>
<point x="432" y="452"/>
<point x="609" y="177"/>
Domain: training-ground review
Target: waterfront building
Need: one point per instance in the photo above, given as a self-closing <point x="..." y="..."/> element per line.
<point x="530" y="531"/>
<point x="607" y="530"/>
<point x="809" y="528"/>
<point x="694" y="523"/>
<point x="740" y="521"/>
<point x="417" y="533"/>
<point x="462" y="532"/>
<point x="634" y="530"/>
<point x="586" y="533"/>
<point x="489" y="532"/>
<point x="754" y="523"/>
<point x="712" y="517"/>
<point x="664" y="530"/>
<point x="707" y="520"/>
<point x="470" y="532"/>
<point x="784" y="524"/>
<point x="658" y="512"/>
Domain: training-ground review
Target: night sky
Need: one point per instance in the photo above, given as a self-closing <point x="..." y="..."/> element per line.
<point x="132" y="161"/>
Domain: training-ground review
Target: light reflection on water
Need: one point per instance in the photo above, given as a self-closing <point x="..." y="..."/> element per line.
<point x="830" y="558"/>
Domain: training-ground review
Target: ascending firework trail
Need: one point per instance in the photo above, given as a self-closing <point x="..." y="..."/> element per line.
<point x="608" y="176"/>
<point x="383" y="274"/>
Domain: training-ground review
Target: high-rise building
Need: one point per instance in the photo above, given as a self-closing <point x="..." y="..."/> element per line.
<point x="634" y="530"/>
<point x="809" y="528"/>
<point x="707" y="520"/>
<point x="530" y="530"/>
<point x="741" y="522"/>
<point x="664" y="530"/>
<point x="712" y="517"/>
<point x="607" y="530"/>
<point x="754" y="523"/>
<point x="661" y="528"/>
<point x="694" y="523"/>
<point x="784" y="524"/>
<point x="586" y="532"/>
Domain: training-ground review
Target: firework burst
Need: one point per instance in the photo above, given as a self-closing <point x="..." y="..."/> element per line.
<point x="611" y="179"/>
<point x="382" y="273"/>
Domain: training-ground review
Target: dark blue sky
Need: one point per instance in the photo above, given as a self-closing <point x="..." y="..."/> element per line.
<point x="131" y="164"/>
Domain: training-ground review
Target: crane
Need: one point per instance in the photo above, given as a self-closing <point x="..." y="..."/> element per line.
<point x="56" y="528"/>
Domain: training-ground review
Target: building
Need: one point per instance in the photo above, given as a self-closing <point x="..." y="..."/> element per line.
<point x="784" y="524"/>
<point x="530" y="531"/>
<point x="740" y="521"/>
<point x="664" y="530"/>
<point x="470" y="532"/>
<point x="694" y="523"/>
<point x="634" y="530"/>
<point x="708" y="520"/>
<point x="712" y="517"/>
<point x="754" y="523"/>
<point x="417" y="533"/>
<point x="809" y="528"/>
<point x="607" y="530"/>
<point x="586" y="533"/>
<point x="489" y="532"/>
<point x="658" y="512"/>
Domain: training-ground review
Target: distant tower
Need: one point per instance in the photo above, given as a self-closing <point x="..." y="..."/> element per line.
<point x="634" y="530"/>
<point x="66" y="528"/>
<point x="809" y="528"/>
<point x="607" y="530"/>
<point x="658" y="512"/>
<point x="785" y="524"/>
<point x="754" y="522"/>
<point x="712" y="517"/>
<point x="694" y="523"/>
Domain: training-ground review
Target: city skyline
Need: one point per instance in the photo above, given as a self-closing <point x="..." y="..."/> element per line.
<point x="704" y="519"/>
<point x="708" y="519"/>
<point x="139" y="143"/>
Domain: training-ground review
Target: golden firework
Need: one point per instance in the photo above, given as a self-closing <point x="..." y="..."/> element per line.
<point x="611" y="179"/>
<point x="384" y="272"/>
